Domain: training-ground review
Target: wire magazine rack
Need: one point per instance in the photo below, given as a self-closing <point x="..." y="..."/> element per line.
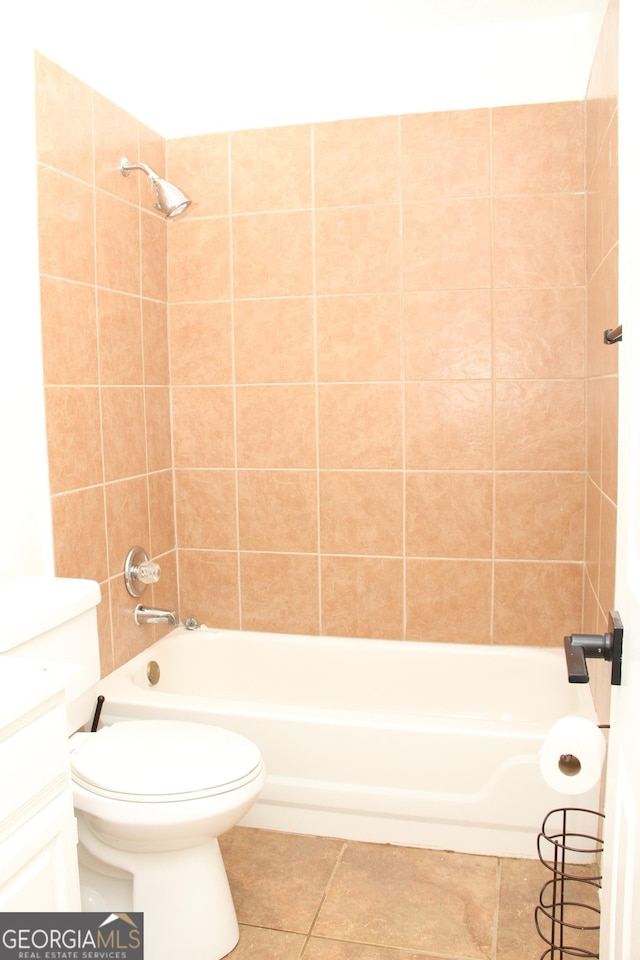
<point x="568" y="915"/>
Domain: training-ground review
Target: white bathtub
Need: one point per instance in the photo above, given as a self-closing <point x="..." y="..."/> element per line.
<point x="424" y="744"/>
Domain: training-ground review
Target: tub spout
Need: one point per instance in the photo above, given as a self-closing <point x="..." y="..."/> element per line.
<point x="153" y="615"/>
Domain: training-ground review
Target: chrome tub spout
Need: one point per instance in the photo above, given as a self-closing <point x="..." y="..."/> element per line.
<point x="153" y="615"/>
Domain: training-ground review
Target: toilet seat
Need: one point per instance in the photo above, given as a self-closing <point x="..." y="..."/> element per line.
<point x="162" y="761"/>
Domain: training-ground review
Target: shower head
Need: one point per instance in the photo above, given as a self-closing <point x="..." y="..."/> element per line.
<point x="168" y="198"/>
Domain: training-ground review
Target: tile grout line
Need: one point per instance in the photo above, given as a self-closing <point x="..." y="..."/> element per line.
<point x="234" y="378"/>
<point x="496" y="915"/>
<point x="404" y="953"/>
<point x="403" y="380"/>
<point x="316" y="367"/>
<point x="323" y="897"/>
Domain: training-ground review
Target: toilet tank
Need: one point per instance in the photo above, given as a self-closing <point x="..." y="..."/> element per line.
<point x="54" y="619"/>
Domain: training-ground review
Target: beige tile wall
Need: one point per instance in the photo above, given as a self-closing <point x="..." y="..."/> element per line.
<point x="106" y="369"/>
<point x="602" y="312"/>
<point x="374" y="366"/>
<point x="377" y="358"/>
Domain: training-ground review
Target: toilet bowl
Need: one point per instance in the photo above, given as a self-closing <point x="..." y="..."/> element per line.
<point x="151" y="799"/>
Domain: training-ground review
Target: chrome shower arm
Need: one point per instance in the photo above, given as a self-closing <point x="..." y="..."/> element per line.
<point x="126" y="167"/>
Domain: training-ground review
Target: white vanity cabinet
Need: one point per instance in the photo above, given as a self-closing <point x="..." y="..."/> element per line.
<point x="38" y="859"/>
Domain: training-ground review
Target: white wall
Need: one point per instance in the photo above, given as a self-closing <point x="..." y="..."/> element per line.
<point x="25" y="527"/>
<point x="254" y="63"/>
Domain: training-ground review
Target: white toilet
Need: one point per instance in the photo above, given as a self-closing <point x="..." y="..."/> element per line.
<point x="151" y="797"/>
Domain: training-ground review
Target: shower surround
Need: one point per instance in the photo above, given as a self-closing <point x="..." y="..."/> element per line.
<point x="366" y="411"/>
<point x="377" y="368"/>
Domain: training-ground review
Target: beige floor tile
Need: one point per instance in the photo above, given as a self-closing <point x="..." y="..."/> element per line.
<point x="381" y="902"/>
<point x="520" y="885"/>
<point x="278" y="879"/>
<point x="318" y="949"/>
<point x="427" y="900"/>
<point x="258" y="943"/>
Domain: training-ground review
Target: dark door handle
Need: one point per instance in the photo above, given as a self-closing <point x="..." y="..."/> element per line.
<point x="607" y="646"/>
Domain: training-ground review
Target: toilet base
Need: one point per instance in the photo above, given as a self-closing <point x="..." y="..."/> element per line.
<point x="183" y="894"/>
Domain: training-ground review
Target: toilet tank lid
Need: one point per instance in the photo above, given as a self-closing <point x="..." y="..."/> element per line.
<point x="32" y="605"/>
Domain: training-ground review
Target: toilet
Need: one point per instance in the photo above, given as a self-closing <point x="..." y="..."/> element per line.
<point x="151" y="797"/>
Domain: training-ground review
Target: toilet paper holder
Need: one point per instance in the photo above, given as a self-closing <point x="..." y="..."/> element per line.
<point x="607" y="646"/>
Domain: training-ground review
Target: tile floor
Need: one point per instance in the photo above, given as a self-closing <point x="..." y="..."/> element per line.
<point x="318" y="898"/>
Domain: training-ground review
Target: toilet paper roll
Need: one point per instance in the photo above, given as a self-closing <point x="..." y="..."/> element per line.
<point x="571" y="757"/>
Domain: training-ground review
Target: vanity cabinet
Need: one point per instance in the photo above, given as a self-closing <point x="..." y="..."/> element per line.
<point x="38" y="859"/>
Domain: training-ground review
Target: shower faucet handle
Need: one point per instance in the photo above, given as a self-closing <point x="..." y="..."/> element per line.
<point x="139" y="571"/>
<point x="608" y="646"/>
<point x="149" y="572"/>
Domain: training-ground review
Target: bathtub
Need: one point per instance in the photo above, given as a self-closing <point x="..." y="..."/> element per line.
<point x="422" y="744"/>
